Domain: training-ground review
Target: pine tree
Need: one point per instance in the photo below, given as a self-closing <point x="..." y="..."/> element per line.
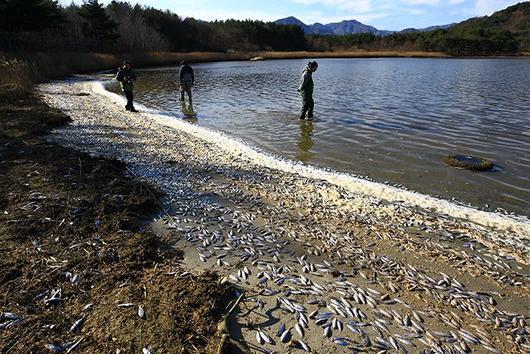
<point x="97" y="23"/>
<point x="29" y="15"/>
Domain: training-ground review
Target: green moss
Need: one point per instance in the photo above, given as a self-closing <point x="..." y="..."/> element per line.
<point x="469" y="162"/>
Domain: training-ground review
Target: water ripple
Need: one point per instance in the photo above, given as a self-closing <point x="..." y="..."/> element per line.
<point x="390" y="119"/>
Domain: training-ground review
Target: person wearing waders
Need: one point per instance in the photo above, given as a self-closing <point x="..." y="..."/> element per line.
<point x="127" y="77"/>
<point x="187" y="80"/>
<point x="306" y="90"/>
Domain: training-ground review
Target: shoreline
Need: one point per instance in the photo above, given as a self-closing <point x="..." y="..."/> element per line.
<point x="380" y="54"/>
<point x="515" y="224"/>
<point x="245" y="220"/>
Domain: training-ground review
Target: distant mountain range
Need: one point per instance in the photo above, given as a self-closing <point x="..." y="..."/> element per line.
<point x="347" y="27"/>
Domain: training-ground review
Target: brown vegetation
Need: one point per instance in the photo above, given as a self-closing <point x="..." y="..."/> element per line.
<point x="72" y="224"/>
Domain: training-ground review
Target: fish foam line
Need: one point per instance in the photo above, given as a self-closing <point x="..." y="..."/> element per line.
<point x="519" y="225"/>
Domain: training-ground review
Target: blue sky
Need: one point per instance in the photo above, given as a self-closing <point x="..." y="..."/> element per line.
<point x="383" y="14"/>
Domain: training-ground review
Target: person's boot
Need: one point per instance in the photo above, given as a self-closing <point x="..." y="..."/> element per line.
<point x="302" y="115"/>
<point x="133" y="110"/>
<point x="310" y="113"/>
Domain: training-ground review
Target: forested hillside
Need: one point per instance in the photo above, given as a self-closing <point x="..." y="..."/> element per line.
<point x="505" y="32"/>
<point x="37" y="25"/>
<point x="120" y="26"/>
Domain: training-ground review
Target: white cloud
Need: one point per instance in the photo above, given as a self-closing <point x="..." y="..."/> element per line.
<point x="487" y="7"/>
<point x="421" y="2"/>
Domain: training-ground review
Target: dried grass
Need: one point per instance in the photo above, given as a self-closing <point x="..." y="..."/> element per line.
<point x="16" y="74"/>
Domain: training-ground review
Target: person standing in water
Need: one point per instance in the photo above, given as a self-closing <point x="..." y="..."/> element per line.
<point x="187" y="80"/>
<point x="126" y="77"/>
<point x="306" y="90"/>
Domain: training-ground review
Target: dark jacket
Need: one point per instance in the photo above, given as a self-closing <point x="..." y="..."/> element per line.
<point x="126" y="78"/>
<point x="306" y="89"/>
<point x="186" y="74"/>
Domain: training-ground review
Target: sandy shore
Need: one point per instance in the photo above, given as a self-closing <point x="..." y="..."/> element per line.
<point x="343" y="271"/>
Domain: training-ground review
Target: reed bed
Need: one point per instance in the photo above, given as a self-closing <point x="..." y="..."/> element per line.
<point x="16" y="74"/>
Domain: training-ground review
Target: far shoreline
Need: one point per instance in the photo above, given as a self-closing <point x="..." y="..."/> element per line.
<point x="378" y="54"/>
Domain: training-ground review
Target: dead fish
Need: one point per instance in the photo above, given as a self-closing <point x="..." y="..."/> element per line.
<point x="259" y="339"/>
<point x="141" y="311"/>
<point x="77" y="325"/>
<point x="280" y="330"/>
<point x="321" y="321"/>
<point x="126" y="305"/>
<point x="300" y="330"/>
<point x="10" y="316"/>
<point x="339" y="325"/>
<point x="285" y="336"/>
<point x="334" y="323"/>
<point x="469" y="337"/>
<point x="265" y="337"/>
<point x="491" y="349"/>
<point x="341" y="341"/>
<point x="417" y="317"/>
<point x="366" y="341"/>
<point x="55" y="348"/>
<point x="394" y="343"/>
<point x="88" y="306"/>
<point x="327" y="332"/>
<point x="354" y="328"/>
<point x="304" y="346"/>
<point x="302" y="319"/>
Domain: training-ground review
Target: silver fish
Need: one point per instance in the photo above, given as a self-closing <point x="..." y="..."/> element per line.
<point x="77" y="325"/>
<point x="300" y="330"/>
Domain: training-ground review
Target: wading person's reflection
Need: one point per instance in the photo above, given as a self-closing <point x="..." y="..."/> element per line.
<point x="306" y="141"/>
<point x="189" y="113"/>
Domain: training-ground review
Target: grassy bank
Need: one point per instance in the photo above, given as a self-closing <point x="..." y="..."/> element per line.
<point x="72" y="232"/>
<point x="23" y="70"/>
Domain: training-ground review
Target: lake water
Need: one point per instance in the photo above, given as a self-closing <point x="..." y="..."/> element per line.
<point x="389" y="119"/>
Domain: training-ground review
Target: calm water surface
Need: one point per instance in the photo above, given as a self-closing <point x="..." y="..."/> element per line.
<point x="390" y="119"/>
